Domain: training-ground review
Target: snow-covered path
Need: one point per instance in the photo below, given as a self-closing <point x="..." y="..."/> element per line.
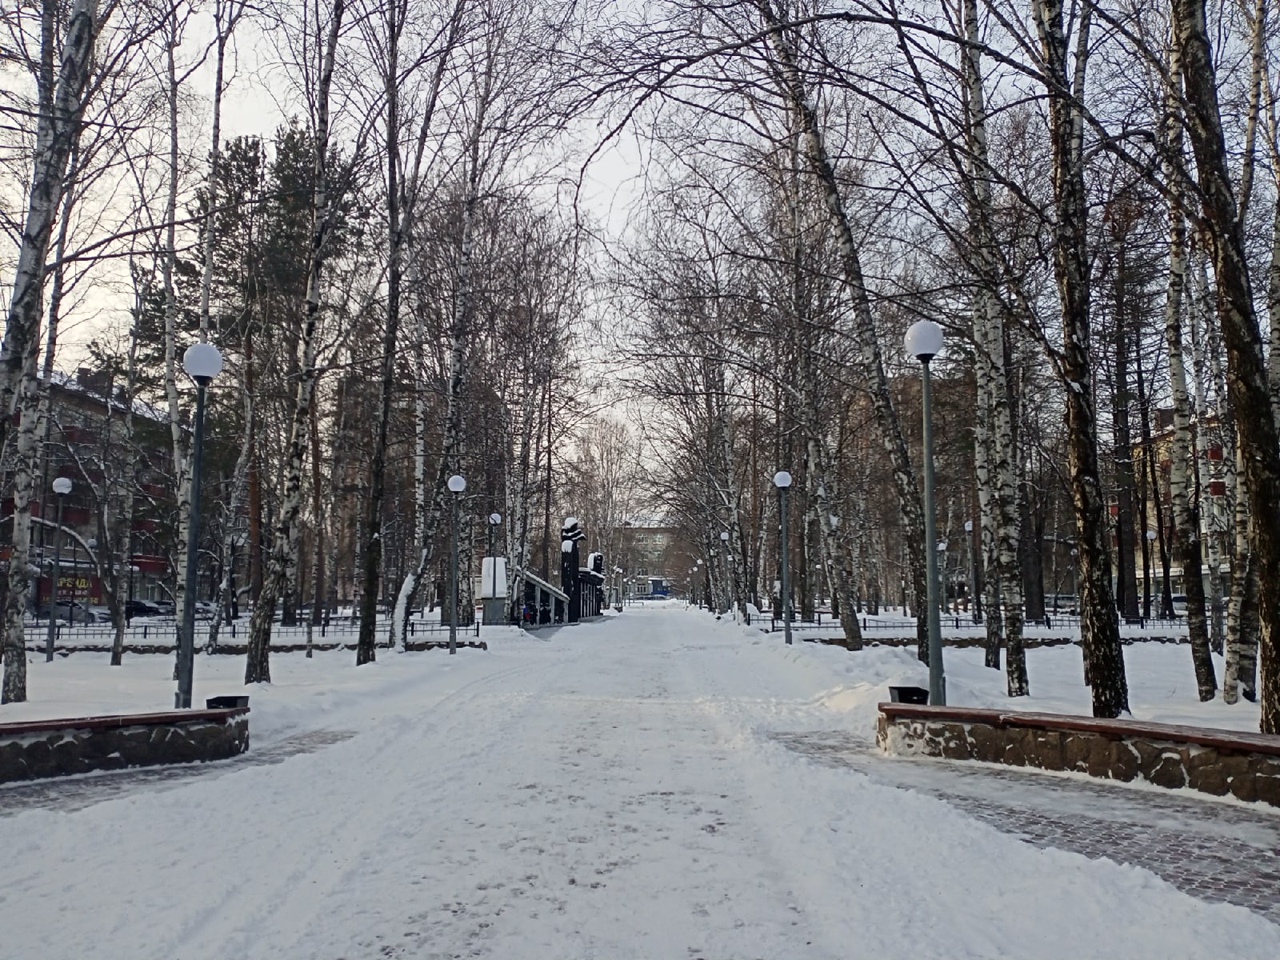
<point x="617" y="792"/>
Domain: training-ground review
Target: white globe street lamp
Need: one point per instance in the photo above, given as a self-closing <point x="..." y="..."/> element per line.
<point x="924" y="342"/>
<point x="202" y="362"/>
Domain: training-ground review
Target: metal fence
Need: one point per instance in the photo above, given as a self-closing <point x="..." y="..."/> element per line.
<point x="162" y="634"/>
<point x="958" y="622"/>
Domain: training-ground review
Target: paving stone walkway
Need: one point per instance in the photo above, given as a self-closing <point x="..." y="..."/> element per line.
<point x="1211" y="849"/>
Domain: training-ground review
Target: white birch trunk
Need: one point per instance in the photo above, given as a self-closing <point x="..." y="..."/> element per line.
<point x="1186" y="520"/>
<point x="284" y="549"/>
<point x="870" y="358"/>
<point x="57" y="132"/>
<point x="998" y="457"/>
<point x="1208" y="513"/>
<point x="168" y="264"/>
<point x="130" y="485"/>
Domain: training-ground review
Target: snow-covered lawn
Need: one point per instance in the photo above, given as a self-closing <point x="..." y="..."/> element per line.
<point x="614" y="790"/>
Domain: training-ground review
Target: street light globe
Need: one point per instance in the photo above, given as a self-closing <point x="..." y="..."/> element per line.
<point x="782" y="479"/>
<point x="457" y="483"/>
<point x="968" y="526"/>
<point x="495" y="519"/>
<point x="923" y="340"/>
<point x="62" y="486"/>
<point x="1151" y="534"/>
<point x="203" y="362"/>
<point x="724" y="536"/>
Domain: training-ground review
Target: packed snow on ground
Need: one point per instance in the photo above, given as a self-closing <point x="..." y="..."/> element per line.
<point x="612" y="790"/>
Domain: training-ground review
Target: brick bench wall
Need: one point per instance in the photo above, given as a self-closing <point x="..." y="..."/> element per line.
<point x="52" y="748"/>
<point x="1219" y="762"/>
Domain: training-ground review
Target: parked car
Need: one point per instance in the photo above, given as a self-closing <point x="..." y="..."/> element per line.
<point x="165" y="608"/>
<point x="72" y="611"/>
<point x="1179" y="604"/>
<point x="141" y="608"/>
<point x="205" y="609"/>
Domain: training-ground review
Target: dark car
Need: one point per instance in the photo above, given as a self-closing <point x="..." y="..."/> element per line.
<point x="141" y="608"/>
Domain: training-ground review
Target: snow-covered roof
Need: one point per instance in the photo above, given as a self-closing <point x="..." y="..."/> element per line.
<point x="72" y="384"/>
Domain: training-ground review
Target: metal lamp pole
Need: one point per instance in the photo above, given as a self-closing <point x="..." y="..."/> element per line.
<point x="924" y="342"/>
<point x="782" y="480"/>
<point x="457" y="484"/>
<point x="728" y="576"/>
<point x="203" y="362"/>
<point x="973" y="579"/>
<point x="1146" y="574"/>
<point x="61" y="486"/>
<point x="494" y="520"/>
<point x="492" y="606"/>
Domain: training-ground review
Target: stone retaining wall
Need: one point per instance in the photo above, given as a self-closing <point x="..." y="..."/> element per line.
<point x="1220" y="762"/>
<point x="52" y="748"/>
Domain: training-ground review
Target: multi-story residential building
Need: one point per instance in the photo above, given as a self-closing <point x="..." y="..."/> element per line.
<point x="88" y="444"/>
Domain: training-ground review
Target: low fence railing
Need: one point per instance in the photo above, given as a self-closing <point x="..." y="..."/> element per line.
<point x="234" y="633"/>
<point x="954" y="622"/>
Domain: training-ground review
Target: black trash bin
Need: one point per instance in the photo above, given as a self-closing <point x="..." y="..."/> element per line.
<point x="908" y="695"/>
<point x="227" y="703"/>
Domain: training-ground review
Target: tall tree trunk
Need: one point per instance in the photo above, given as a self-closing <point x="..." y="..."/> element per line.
<point x="864" y="330"/>
<point x="1242" y="628"/>
<point x="1248" y="384"/>
<point x="366" y="647"/>
<point x="168" y="269"/>
<point x="255" y="473"/>
<point x="1185" y="508"/>
<point x="1125" y="483"/>
<point x="998" y="456"/>
<point x="284" y="548"/>
<point x="57" y="132"/>
<point x="130" y="484"/>
<point x="1100" y="632"/>
<point x="1200" y="461"/>
<point x="1156" y="495"/>
<point x="459" y="334"/>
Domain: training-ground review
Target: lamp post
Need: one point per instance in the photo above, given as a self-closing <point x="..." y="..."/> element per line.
<point x="61" y="486"/>
<point x="494" y="520"/>
<point x="493" y="606"/>
<point x="203" y="362"/>
<point x="728" y="575"/>
<point x="713" y="603"/>
<point x="1146" y="575"/>
<point x="924" y="342"/>
<point x="782" y="480"/>
<point x="457" y="484"/>
<point x="233" y="600"/>
<point x="975" y="604"/>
